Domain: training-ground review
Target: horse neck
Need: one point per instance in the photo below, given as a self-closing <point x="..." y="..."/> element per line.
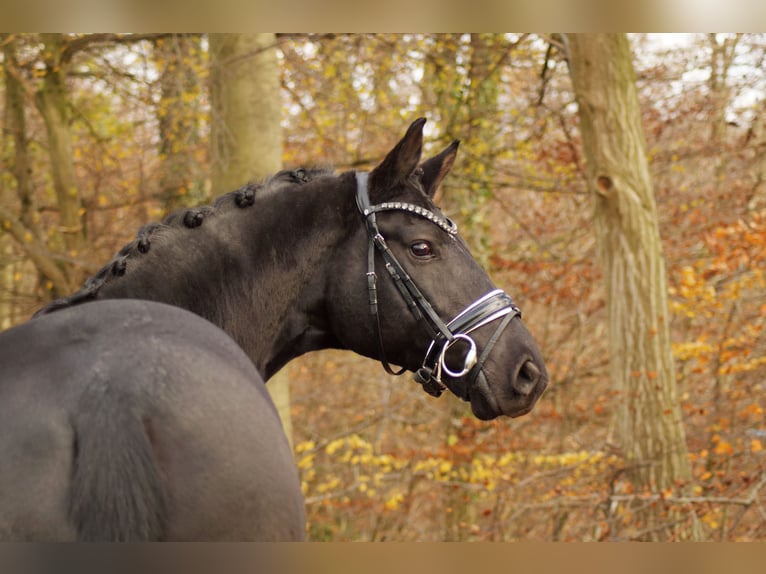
<point x="256" y="272"/>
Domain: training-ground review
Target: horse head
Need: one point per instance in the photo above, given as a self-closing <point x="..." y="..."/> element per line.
<point x="413" y="294"/>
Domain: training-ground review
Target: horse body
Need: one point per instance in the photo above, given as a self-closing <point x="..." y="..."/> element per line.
<point x="146" y="420"/>
<point x="104" y="438"/>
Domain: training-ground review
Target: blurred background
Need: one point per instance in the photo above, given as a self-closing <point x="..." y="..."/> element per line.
<point x="102" y="133"/>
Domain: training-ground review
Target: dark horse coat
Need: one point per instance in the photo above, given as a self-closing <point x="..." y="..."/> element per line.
<point x="133" y="409"/>
<point x="115" y="440"/>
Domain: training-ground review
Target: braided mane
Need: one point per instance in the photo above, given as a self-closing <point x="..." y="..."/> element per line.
<point x="187" y="218"/>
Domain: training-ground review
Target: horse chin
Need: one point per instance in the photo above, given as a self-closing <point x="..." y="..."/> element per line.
<point x="483" y="402"/>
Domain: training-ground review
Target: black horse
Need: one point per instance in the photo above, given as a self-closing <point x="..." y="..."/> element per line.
<point x="134" y="408"/>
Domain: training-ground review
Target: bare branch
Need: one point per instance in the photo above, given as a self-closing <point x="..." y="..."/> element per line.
<point x="80" y="43"/>
<point x="37" y="251"/>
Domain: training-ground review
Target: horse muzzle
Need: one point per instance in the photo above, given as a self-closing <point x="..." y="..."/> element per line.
<point x="499" y="379"/>
<point x="452" y="359"/>
<point x="514" y="398"/>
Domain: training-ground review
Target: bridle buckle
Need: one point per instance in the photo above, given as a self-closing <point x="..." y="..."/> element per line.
<point x="470" y="359"/>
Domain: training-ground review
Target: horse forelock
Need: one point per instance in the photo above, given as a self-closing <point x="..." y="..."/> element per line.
<point x="189" y="218"/>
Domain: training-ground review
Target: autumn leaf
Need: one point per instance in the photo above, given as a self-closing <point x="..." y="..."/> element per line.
<point x="724" y="448"/>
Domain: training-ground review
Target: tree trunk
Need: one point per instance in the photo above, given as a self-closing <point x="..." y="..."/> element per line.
<point x="756" y="140"/>
<point x="178" y="59"/>
<point x="53" y="103"/>
<point x="246" y="134"/>
<point x="482" y="139"/>
<point x="22" y="225"/>
<point x="16" y="128"/>
<point x="649" y="425"/>
<point x="14" y="138"/>
<point x="246" y="109"/>
<point x="721" y="58"/>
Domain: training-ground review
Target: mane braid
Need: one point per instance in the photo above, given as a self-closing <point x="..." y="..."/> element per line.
<point x="189" y="218"/>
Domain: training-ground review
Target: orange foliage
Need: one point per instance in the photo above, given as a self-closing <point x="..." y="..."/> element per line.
<point x="379" y="459"/>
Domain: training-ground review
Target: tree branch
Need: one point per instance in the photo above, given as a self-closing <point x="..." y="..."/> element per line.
<point x="37" y="252"/>
<point x="80" y="43"/>
<point x="747" y="501"/>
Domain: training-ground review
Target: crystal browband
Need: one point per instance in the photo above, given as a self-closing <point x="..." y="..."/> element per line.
<point x="444" y="222"/>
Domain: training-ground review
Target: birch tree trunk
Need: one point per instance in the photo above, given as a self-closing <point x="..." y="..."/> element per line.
<point x="649" y="424"/>
<point x="246" y="134"/>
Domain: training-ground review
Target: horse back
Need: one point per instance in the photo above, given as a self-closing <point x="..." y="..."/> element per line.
<point x="132" y="420"/>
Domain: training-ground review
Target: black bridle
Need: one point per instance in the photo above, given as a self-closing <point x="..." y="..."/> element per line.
<point x="491" y="307"/>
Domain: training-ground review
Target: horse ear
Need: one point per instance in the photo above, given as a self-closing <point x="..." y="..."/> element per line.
<point x="436" y="168"/>
<point x="400" y="162"/>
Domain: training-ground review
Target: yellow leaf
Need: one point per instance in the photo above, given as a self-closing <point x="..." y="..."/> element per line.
<point x="393" y="502"/>
<point x="755" y="445"/>
<point x="723" y="447"/>
<point x="306" y="462"/>
<point x="304" y="446"/>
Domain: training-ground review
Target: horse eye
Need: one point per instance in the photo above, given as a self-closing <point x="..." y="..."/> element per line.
<point x="421" y="249"/>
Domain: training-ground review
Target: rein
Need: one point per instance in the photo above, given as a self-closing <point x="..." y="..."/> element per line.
<point x="488" y="308"/>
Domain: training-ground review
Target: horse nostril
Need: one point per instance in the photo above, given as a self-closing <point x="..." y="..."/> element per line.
<point x="527" y="378"/>
<point x="530" y="371"/>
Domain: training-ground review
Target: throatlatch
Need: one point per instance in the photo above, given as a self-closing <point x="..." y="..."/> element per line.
<point x="491" y="307"/>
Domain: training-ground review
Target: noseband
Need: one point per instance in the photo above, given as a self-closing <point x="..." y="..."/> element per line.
<point x="491" y="307"/>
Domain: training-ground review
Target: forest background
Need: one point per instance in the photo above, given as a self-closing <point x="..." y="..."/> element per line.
<point x="102" y="133"/>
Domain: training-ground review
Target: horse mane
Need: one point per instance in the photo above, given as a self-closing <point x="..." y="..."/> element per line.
<point x="190" y="218"/>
